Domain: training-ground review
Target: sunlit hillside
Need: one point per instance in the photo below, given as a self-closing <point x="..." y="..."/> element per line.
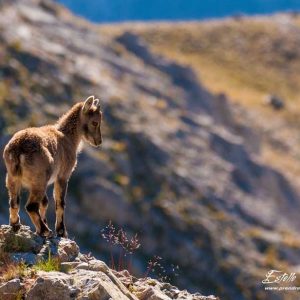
<point x="248" y="59"/>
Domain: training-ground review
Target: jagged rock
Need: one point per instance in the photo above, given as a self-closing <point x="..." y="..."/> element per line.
<point x="93" y="265"/>
<point x="79" y="277"/>
<point x="84" y="258"/>
<point x="150" y="289"/>
<point x="84" y="284"/>
<point x="67" y="250"/>
<point x="83" y="266"/>
<point x="98" y="265"/>
<point x="28" y="246"/>
<point x="11" y="290"/>
<point x="97" y="286"/>
<point x="22" y="241"/>
<point x="51" y="286"/>
<point x="67" y="266"/>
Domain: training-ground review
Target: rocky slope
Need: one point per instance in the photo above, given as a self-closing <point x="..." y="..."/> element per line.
<point x="77" y="276"/>
<point x="176" y="166"/>
<point x="225" y="54"/>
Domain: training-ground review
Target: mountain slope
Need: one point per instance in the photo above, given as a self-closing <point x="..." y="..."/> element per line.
<point x="247" y="59"/>
<point x="177" y="167"/>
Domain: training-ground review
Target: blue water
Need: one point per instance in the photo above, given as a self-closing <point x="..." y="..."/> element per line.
<point x="149" y="10"/>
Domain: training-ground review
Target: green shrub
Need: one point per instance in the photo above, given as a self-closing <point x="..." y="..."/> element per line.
<point x="49" y="265"/>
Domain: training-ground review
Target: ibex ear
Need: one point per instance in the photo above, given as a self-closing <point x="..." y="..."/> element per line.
<point x="87" y="104"/>
<point x="97" y="103"/>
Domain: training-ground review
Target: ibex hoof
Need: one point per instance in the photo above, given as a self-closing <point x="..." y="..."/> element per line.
<point x="47" y="234"/>
<point x="15" y="227"/>
<point x="62" y="233"/>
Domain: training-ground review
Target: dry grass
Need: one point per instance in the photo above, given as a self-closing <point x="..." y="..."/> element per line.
<point x="14" y="271"/>
<point x="246" y="58"/>
<point x="279" y="159"/>
<point x="10" y="269"/>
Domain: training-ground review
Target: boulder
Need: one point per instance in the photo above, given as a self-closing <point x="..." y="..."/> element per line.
<point x="22" y="241"/>
<point x="93" y="265"/>
<point x="11" y="290"/>
<point x="29" y="247"/>
<point x="151" y="289"/>
<point x="67" y="250"/>
<point x="275" y="102"/>
<point x="97" y="286"/>
<point x="68" y="266"/>
<point x="51" y="286"/>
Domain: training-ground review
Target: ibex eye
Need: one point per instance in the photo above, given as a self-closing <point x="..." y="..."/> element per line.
<point x="95" y="123"/>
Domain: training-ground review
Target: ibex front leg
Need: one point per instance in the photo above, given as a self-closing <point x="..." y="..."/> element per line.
<point x="60" y="189"/>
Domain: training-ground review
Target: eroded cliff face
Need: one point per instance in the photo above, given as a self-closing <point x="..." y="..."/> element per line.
<point x="175" y="167"/>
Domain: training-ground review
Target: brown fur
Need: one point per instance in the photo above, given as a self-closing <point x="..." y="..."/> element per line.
<point x="37" y="157"/>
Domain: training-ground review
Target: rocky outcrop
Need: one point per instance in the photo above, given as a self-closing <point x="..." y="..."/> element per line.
<point x="77" y="276"/>
<point x="26" y="246"/>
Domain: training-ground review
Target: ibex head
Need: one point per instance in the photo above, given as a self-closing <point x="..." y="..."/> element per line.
<point x="91" y="117"/>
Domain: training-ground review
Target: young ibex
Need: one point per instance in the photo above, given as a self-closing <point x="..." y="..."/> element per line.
<point x="37" y="157"/>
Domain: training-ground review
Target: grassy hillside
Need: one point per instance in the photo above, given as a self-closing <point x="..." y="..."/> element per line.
<point x="246" y="58"/>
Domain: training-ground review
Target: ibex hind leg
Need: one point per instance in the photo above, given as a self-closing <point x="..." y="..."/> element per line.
<point x="14" y="186"/>
<point x="33" y="209"/>
<point x="43" y="208"/>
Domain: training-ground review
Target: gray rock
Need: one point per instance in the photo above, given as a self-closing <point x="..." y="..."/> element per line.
<point x="98" y="266"/>
<point x="93" y="265"/>
<point x="97" y="286"/>
<point x="67" y="266"/>
<point x="22" y="241"/>
<point x="51" y="286"/>
<point x="11" y="290"/>
<point x="84" y="258"/>
<point x="27" y="246"/>
<point x="68" y="250"/>
<point x="150" y="289"/>
<point x="83" y="266"/>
